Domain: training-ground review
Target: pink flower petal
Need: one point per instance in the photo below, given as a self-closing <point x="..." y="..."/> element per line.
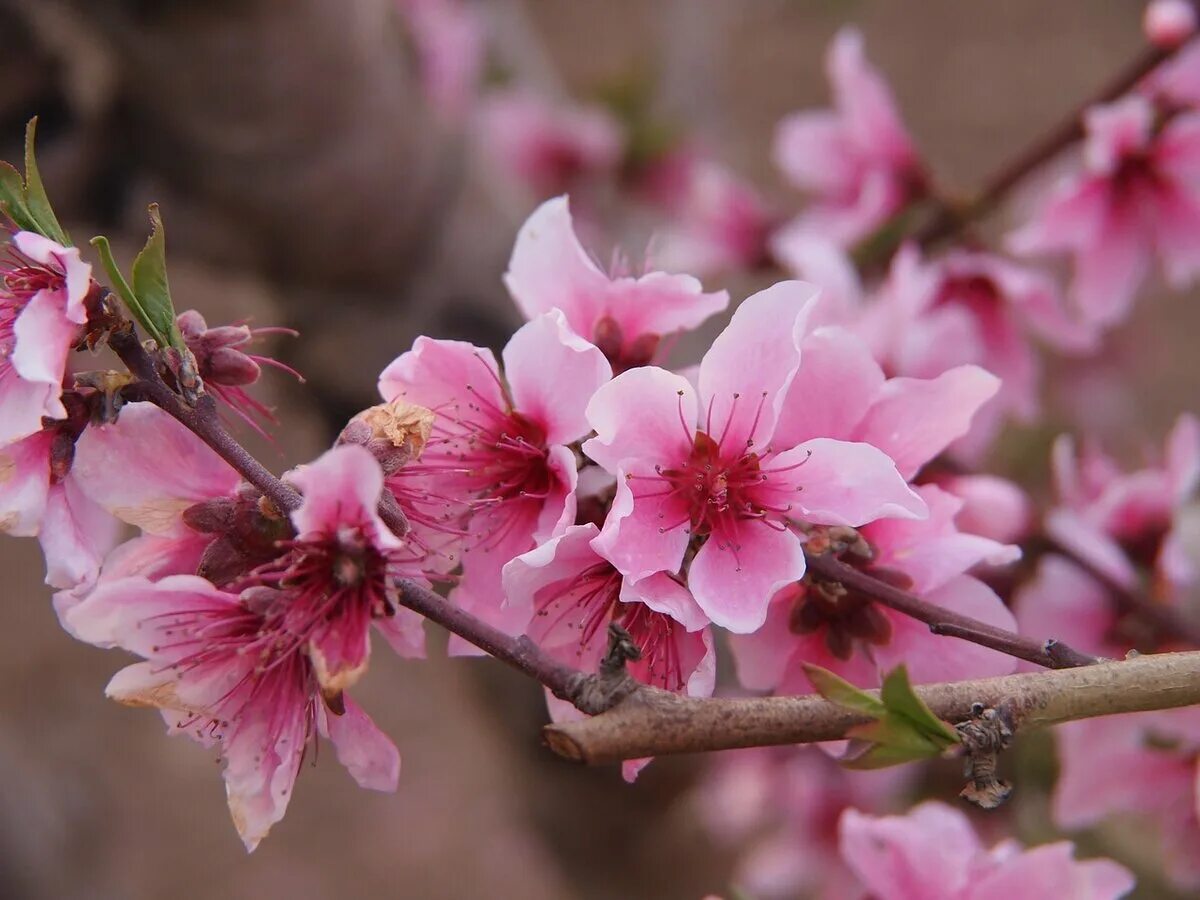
<point x="932" y="658"/>
<point x="367" y="753"/>
<point x="448" y="377"/>
<point x="734" y="576"/>
<point x="836" y="384"/>
<point x="75" y="535"/>
<point x="847" y="483"/>
<point x="24" y="483"/>
<point x="65" y="259"/>
<point x="665" y="595"/>
<point x="643" y="533"/>
<point x="550" y="269"/>
<point x="553" y="373"/>
<point x="913" y="420"/>
<point x="762" y="656"/>
<point x="1050" y="872"/>
<point x="44" y="337"/>
<point x="175" y="469"/>
<point x="341" y="488"/>
<point x="865" y="102"/>
<point x="925" y="855"/>
<point x="747" y="371"/>
<point x="646" y="414"/>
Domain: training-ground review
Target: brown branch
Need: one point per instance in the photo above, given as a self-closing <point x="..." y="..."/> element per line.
<point x="655" y="723"/>
<point x="1051" y="653"/>
<point x="1166" y="621"/>
<point x="948" y="219"/>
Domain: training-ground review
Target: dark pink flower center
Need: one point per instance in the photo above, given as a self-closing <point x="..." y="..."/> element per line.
<point x="588" y="602"/>
<point x="719" y="486"/>
<point x="978" y="293"/>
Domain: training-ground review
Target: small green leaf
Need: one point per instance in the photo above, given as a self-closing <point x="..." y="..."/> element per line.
<point x="887" y="742"/>
<point x="843" y="693"/>
<point x="12" y="198"/>
<point x="898" y="696"/>
<point x="151" y="287"/>
<point x="100" y="242"/>
<point x="36" y="201"/>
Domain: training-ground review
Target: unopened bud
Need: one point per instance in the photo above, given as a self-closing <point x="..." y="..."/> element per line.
<point x="231" y="367"/>
<point x="1168" y="23"/>
<point x="396" y="433"/>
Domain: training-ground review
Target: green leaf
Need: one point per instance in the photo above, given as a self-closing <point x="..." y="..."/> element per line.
<point x="904" y="728"/>
<point x="151" y="287"/>
<point x="898" y="696"/>
<point x="843" y="693"/>
<point x="36" y="201"/>
<point x="12" y="198"/>
<point x="100" y="242"/>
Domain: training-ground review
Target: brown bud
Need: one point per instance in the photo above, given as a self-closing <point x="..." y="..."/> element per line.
<point x="396" y="433"/>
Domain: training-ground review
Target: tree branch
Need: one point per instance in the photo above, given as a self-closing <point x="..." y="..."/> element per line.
<point x="651" y="722"/>
<point x="948" y="219"/>
<point x="1052" y="654"/>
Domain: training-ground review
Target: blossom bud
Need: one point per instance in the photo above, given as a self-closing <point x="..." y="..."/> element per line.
<point x="1168" y="23"/>
<point x="396" y="433"/>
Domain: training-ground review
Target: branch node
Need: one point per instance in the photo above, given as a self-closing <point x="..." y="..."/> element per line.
<point x="987" y="733"/>
<point x="594" y="694"/>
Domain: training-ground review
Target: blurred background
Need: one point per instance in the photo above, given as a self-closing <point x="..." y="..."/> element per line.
<point x="317" y="169"/>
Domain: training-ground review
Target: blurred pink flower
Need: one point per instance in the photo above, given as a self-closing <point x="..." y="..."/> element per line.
<point x="41" y="313"/>
<point x="970" y="307"/>
<point x="1136" y="196"/>
<point x="547" y="148"/>
<point x="715" y="220"/>
<point x="1168" y="23"/>
<point x="1119" y="520"/>
<point x="782" y="805"/>
<point x="992" y="506"/>
<point x="728" y="480"/>
<point x="1159" y="752"/>
<point x="625" y="317"/>
<point x="498" y="450"/>
<point x="856" y="159"/>
<point x="449" y="42"/>
<point x="932" y="853"/>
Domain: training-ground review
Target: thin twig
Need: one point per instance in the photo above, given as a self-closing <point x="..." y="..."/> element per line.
<point x="948" y="219"/>
<point x="657" y="723"/>
<point x="1051" y="653"/>
<point x="1166" y="621"/>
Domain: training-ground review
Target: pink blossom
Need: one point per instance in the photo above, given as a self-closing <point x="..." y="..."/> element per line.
<point x="856" y="159"/>
<point x="545" y="147"/>
<point x="1119" y="520"/>
<point x="498" y="451"/>
<point x="223" y="670"/>
<point x="625" y="317"/>
<point x="813" y="258"/>
<point x="1136" y="196"/>
<point x="970" y="307"/>
<point x="702" y="467"/>
<point x="1168" y="23"/>
<point x="992" y="506"/>
<point x="932" y="853"/>
<point x="782" y="804"/>
<point x="837" y="628"/>
<point x="1158" y="753"/>
<point x="41" y="311"/>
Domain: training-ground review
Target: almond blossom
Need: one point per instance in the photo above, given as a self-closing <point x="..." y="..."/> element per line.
<point x="42" y="296"/>
<point x="625" y="317"/>
<point x="1136" y="197"/>
<point x="700" y="469"/>
<point x="857" y="159"/>
<point x="498" y="451"/>
<point x="932" y="853"/>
